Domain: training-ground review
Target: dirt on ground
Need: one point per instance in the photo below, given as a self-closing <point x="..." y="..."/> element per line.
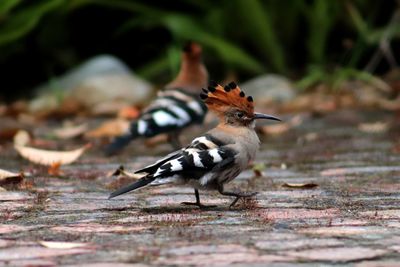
<point x="328" y="194"/>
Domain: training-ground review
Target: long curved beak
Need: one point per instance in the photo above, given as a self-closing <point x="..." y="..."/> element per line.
<point x="265" y="116"/>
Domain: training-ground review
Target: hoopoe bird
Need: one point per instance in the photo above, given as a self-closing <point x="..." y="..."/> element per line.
<point x="217" y="157"/>
<point x="176" y="107"/>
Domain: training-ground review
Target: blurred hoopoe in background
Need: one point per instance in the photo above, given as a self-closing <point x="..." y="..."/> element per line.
<point x="218" y="156"/>
<point x="177" y="106"/>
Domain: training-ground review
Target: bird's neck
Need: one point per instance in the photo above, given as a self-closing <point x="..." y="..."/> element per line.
<point x="234" y="129"/>
<point x="244" y="140"/>
<point x="192" y="76"/>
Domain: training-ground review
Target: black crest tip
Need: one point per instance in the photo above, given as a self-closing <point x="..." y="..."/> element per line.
<point x="213" y="83"/>
<point x="203" y="96"/>
<point x="232" y="85"/>
<point x="242" y="94"/>
<point x="250" y="99"/>
<point x="211" y="89"/>
<point x="227" y="88"/>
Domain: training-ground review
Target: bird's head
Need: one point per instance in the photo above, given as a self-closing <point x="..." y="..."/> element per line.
<point x="232" y="105"/>
<point x="193" y="74"/>
<point x="192" y="51"/>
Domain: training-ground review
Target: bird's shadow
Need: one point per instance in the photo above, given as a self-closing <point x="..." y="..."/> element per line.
<point x="185" y="209"/>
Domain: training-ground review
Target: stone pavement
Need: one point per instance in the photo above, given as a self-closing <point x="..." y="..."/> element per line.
<point x="352" y="218"/>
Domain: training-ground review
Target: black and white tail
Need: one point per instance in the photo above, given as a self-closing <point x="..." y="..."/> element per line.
<point x="122" y="141"/>
<point x="138" y="184"/>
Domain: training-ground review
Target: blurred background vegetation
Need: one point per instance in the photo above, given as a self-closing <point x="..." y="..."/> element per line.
<point x="307" y="40"/>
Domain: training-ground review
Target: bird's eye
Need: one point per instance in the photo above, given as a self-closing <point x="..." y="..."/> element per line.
<point x="239" y="114"/>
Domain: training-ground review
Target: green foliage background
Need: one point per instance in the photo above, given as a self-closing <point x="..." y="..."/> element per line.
<point x="311" y="40"/>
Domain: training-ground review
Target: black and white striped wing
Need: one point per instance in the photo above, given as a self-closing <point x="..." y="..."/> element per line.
<point x="204" y="156"/>
<point x="173" y="109"/>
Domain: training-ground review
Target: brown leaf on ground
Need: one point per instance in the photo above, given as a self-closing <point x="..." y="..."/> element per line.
<point x="258" y="169"/>
<point x="69" y="132"/>
<point x="110" y="128"/>
<point x="129" y="113"/>
<point x="276" y="129"/>
<point x="54" y="169"/>
<point x="61" y="245"/>
<point x="49" y="157"/>
<point x="122" y="172"/>
<point x="280" y="128"/>
<point x="7" y="177"/>
<point x="300" y="186"/>
<point x="333" y="172"/>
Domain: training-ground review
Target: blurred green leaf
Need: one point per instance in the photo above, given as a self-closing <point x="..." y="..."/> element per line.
<point x="129" y="6"/>
<point x="257" y="23"/>
<point x="174" y="59"/>
<point x="320" y="16"/>
<point x="154" y="68"/>
<point x="358" y="21"/>
<point x="25" y="20"/>
<point x="7" y="5"/>
<point x="368" y="34"/>
<point x="183" y="27"/>
<point x="333" y="78"/>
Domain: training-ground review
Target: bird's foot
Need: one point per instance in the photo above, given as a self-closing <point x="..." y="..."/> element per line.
<point x="242" y="195"/>
<point x="198" y="204"/>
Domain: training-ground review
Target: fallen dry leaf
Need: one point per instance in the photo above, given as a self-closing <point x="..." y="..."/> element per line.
<point x="70" y="132"/>
<point x="108" y="108"/>
<point x="61" y="245"/>
<point x="300" y="186"/>
<point x="7" y="177"/>
<point x="277" y="129"/>
<point x="375" y="127"/>
<point x="54" y="169"/>
<point x="258" y="168"/>
<point x="333" y="172"/>
<point x="21" y="138"/>
<point x="129" y="113"/>
<point x="121" y="171"/>
<point x="110" y="129"/>
<point x="48" y="157"/>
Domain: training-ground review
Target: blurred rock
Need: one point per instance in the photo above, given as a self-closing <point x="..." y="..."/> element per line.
<point x="100" y="80"/>
<point x="111" y="87"/>
<point x="43" y="103"/>
<point x="270" y="88"/>
<point x="97" y="66"/>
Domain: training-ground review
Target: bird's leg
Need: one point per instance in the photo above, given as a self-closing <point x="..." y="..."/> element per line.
<point x="173" y="139"/>
<point x="197" y="203"/>
<point x="238" y="195"/>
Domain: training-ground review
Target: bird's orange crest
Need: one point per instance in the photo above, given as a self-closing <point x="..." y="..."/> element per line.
<point x="219" y="99"/>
